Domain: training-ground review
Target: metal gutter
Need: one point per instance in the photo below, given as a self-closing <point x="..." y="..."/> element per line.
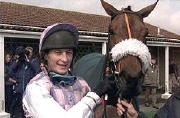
<point x="162" y="44"/>
<point x="41" y="29"/>
<point x="97" y="33"/>
<point x="162" y="41"/>
<point x="30" y="27"/>
<point x="30" y="34"/>
<point x="93" y="38"/>
<point x="19" y="32"/>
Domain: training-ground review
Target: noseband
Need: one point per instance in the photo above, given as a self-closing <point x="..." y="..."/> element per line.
<point x="118" y="66"/>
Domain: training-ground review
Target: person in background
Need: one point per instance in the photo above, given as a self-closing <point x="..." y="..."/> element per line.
<point x="151" y="83"/>
<point x="30" y="52"/>
<point x="108" y="71"/>
<point x="173" y="76"/>
<point x="8" y="83"/>
<point x="57" y="93"/>
<point x="43" y="66"/>
<point x="21" y="71"/>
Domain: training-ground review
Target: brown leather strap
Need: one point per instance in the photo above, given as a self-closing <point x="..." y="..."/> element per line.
<point x="128" y="27"/>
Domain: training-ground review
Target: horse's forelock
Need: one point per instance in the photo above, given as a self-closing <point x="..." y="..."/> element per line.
<point x="128" y="8"/>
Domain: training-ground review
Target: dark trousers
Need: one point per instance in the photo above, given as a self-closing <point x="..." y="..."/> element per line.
<point x="16" y="106"/>
<point x="8" y="97"/>
<point x="151" y="91"/>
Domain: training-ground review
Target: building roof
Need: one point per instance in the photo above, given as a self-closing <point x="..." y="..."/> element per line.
<point x="33" y="18"/>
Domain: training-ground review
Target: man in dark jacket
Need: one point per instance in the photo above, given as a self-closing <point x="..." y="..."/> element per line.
<point x="21" y="71"/>
<point x="170" y="108"/>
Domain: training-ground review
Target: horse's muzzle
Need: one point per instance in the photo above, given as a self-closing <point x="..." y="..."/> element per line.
<point x="129" y="87"/>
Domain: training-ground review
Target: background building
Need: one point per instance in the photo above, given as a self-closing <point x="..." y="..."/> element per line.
<point x="23" y="25"/>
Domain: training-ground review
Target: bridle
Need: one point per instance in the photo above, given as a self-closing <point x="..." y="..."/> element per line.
<point x="113" y="65"/>
<point x="128" y="49"/>
<point x="118" y="67"/>
<point x="120" y="50"/>
<point x="128" y="26"/>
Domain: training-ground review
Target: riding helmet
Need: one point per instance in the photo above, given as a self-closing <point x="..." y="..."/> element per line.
<point x="59" y="36"/>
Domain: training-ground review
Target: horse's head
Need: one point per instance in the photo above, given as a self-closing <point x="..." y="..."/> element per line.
<point x="127" y="37"/>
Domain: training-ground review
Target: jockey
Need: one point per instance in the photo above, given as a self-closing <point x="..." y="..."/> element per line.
<point x="56" y="93"/>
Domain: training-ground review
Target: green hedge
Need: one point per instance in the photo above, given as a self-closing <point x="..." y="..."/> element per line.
<point x="150" y="114"/>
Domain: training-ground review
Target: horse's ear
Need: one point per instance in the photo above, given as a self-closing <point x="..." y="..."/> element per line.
<point x="147" y="10"/>
<point x="110" y="10"/>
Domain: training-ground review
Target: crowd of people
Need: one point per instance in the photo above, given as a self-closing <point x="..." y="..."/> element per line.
<point x="19" y="70"/>
<point x="47" y="88"/>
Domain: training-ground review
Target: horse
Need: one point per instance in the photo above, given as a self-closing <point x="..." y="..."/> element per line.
<point x="128" y="53"/>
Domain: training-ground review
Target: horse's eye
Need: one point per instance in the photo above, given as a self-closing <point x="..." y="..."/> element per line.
<point x="111" y="31"/>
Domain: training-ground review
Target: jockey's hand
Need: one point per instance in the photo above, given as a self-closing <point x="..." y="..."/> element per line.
<point x="105" y="86"/>
<point x="123" y="106"/>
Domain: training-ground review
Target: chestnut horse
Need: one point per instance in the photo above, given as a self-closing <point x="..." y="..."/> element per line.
<point x="128" y="52"/>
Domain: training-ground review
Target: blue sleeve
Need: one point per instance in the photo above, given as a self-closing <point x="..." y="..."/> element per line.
<point x="12" y="70"/>
<point x="34" y="65"/>
<point x="6" y="75"/>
